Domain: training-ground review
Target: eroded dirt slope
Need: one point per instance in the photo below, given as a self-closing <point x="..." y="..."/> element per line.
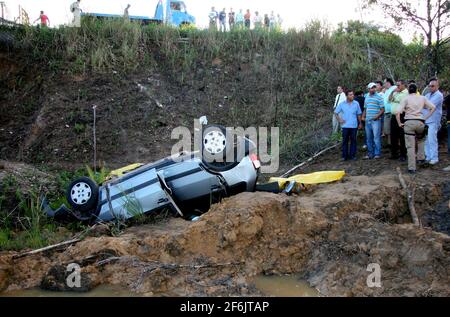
<point x="329" y="235"/>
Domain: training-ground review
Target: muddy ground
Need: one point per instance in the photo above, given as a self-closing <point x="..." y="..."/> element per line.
<point x="329" y="235"/>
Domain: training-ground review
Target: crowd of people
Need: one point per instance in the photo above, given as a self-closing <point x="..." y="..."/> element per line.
<point x="224" y="21"/>
<point x="396" y="112"/>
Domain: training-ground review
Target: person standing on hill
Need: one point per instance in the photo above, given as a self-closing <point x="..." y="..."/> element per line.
<point x="373" y="111"/>
<point x="348" y="113"/>
<point x="389" y="89"/>
<point x="76" y="10"/>
<point x="247" y="18"/>
<point x="257" y="20"/>
<point x="279" y="21"/>
<point x="414" y="125"/>
<point x="266" y="21"/>
<point x="273" y="21"/>
<point x="45" y="21"/>
<point x="397" y="133"/>
<point x="359" y="97"/>
<point x="380" y="90"/>
<point x="240" y="19"/>
<point x="340" y="97"/>
<point x="222" y="20"/>
<point x="213" y="16"/>
<point x="231" y="18"/>
<point x="126" y="14"/>
<point x="433" y="122"/>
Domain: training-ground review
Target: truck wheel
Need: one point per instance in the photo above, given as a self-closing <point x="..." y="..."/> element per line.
<point x="215" y="149"/>
<point x="82" y="194"/>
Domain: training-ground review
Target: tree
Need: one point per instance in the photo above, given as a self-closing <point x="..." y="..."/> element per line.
<point x="431" y="17"/>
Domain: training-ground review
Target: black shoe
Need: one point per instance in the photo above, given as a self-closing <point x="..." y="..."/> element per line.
<point x="402" y="159"/>
<point x="412" y="172"/>
<point x="421" y="162"/>
<point x="393" y="157"/>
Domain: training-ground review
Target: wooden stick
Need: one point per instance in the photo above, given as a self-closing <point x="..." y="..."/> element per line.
<point x="410" y="194"/>
<point x="309" y="160"/>
<point x="50" y="247"/>
<point x="158" y="264"/>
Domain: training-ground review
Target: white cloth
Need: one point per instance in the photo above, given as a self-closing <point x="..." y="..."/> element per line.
<point x="339" y="98"/>
<point x="257" y="19"/>
<point x="336" y="124"/>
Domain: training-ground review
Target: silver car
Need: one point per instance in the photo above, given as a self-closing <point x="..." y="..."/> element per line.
<point x="185" y="183"/>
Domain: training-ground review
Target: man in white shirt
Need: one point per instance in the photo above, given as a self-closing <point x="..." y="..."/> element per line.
<point x="340" y="97"/>
<point x="76" y="10"/>
<point x="213" y="17"/>
<point x="257" y="21"/>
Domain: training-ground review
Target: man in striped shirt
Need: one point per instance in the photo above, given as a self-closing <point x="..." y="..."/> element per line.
<point x="373" y="111"/>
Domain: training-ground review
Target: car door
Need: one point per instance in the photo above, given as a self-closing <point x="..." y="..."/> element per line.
<point x="130" y="195"/>
<point x="192" y="186"/>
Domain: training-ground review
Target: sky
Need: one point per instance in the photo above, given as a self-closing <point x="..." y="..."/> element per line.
<point x="295" y="13"/>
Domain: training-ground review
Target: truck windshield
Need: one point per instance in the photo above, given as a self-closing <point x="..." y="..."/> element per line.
<point x="178" y="6"/>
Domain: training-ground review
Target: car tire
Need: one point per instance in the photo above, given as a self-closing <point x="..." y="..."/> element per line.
<point x="215" y="149"/>
<point x="82" y="195"/>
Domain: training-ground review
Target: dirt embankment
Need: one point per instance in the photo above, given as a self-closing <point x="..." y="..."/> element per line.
<point x="330" y="235"/>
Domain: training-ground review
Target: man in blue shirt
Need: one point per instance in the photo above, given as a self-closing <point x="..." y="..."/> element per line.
<point x="373" y="110"/>
<point x="433" y="123"/>
<point x="348" y="113"/>
<point x="222" y="20"/>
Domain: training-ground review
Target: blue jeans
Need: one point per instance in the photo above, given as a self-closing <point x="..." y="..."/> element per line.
<point x="349" y="134"/>
<point x="373" y="137"/>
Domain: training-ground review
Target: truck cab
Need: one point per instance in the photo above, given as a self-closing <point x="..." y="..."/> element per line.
<point x="176" y="13"/>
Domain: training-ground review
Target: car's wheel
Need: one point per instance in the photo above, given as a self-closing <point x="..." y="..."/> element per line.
<point x="215" y="149"/>
<point x="82" y="194"/>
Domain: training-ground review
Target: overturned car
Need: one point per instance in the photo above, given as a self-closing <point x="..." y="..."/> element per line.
<point x="186" y="183"/>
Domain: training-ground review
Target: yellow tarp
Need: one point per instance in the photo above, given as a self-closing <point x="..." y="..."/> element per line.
<point x="308" y="179"/>
<point x="123" y="170"/>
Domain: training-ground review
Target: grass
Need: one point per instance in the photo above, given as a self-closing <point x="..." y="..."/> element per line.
<point x="32" y="228"/>
<point x="271" y="78"/>
<point x="23" y="222"/>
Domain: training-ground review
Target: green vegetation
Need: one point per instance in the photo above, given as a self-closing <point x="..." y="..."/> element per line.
<point x="270" y="78"/>
<point x="100" y="176"/>
<point x="23" y="222"/>
<point x="29" y="228"/>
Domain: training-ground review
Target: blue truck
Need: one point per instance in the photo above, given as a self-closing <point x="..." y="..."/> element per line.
<point x="172" y="12"/>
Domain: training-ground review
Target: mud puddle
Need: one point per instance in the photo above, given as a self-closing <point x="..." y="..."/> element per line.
<point x="101" y="291"/>
<point x="284" y="286"/>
